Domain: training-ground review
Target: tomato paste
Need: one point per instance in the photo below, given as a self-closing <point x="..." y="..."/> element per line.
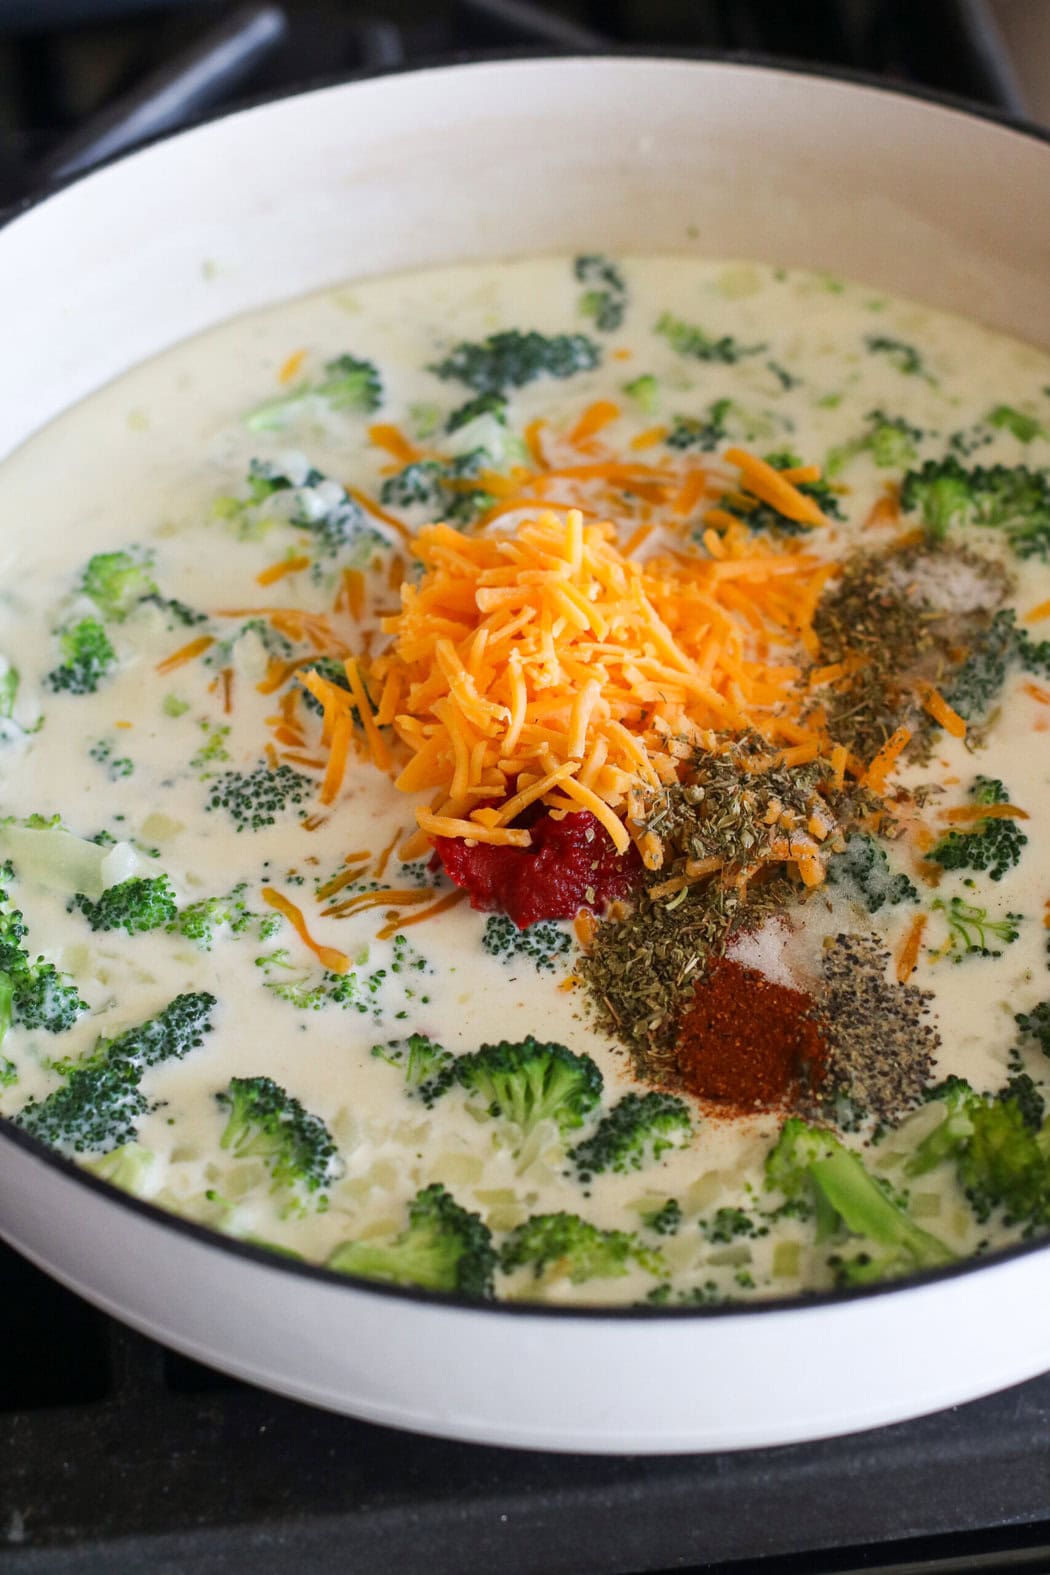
<point x="571" y="864"/>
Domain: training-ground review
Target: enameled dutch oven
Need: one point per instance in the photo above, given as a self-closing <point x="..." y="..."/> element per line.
<point x="479" y="162"/>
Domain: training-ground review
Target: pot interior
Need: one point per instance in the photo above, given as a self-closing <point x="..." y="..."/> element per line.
<point x="506" y="158"/>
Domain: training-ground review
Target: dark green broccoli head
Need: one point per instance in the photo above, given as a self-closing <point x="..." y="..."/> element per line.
<point x="494" y="405"/>
<point x="637" y="1130"/>
<point x="33" y="994"/>
<point x="88" y="658"/>
<point x="528" y="1081"/>
<point x="686" y="339"/>
<point x="116" y="582"/>
<point x="992" y="845"/>
<point x="666" y="1220"/>
<point x="423" y="1063"/>
<point x="145" y="902"/>
<point x="706" y="432"/>
<point x="605" y="299"/>
<point x="726" y="1224"/>
<point x="901" y="355"/>
<point x="99" y="1105"/>
<point x="977" y="683"/>
<point x="266" y="1122"/>
<point x="565" y="1244"/>
<point x="254" y="799"/>
<point x="1036" y="1025"/>
<point x="511" y="359"/>
<point x="350" y="384"/>
<point x="1014" y="499"/>
<point x="443" y="1248"/>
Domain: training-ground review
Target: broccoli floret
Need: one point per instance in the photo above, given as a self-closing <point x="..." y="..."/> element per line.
<point x="864" y="865"/>
<point x="1013" y="499"/>
<point x="686" y="339"/>
<point x="1036" y="1025"/>
<point x="998" y="1143"/>
<point x="890" y="440"/>
<point x="348" y="384"/>
<point x="645" y="391"/>
<point x="726" y="1224"/>
<point x="176" y="613"/>
<point x="88" y="658"/>
<point x="565" y="1244"/>
<point x="1033" y="655"/>
<point x="311" y="994"/>
<point x="443" y="1248"/>
<point x="419" y="485"/>
<point x="494" y="405"/>
<point x="810" y="1164"/>
<point x="901" y="355"/>
<point x="116" y="582"/>
<point x="527" y="1082"/>
<point x="438" y="487"/>
<point x="98" y="1106"/>
<point x="44" y="998"/>
<point x="977" y="683"/>
<point x="970" y="928"/>
<point x="512" y="359"/>
<point x="705" y="433"/>
<point x="666" y="1220"/>
<point x="254" y="799"/>
<point x="198" y="921"/>
<point x="542" y="943"/>
<point x="33" y="994"/>
<point x="145" y="902"/>
<point x="422" y="1061"/>
<point x="605" y="301"/>
<point x="1023" y="427"/>
<point x="992" y="845"/>
<point x="265" y="1122"/>
<point x="637" y="1130"/>
<point x="308" y="500"/>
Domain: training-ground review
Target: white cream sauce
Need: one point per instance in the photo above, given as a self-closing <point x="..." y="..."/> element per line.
<point x="143" y="461"/>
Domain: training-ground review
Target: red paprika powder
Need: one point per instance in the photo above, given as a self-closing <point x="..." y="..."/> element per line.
<point x="746" y="1043"/>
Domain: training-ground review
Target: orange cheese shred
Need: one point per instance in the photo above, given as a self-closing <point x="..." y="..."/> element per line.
<point x="334" y="961"/>
<point x="942" y="712"/>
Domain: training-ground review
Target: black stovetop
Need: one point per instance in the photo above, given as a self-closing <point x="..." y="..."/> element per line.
<point x="117" y="1456"/>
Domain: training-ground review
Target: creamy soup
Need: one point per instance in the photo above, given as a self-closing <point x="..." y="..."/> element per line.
<point x="727" y="652"/>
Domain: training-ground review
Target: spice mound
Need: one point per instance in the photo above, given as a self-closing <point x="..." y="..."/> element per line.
<point x="747" y="1043"/>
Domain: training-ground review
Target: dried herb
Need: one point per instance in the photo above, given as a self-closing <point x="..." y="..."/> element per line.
<point x="878" y="620"/>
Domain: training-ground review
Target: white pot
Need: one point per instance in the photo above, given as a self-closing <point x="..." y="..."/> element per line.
<point x="485" y="161"/>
